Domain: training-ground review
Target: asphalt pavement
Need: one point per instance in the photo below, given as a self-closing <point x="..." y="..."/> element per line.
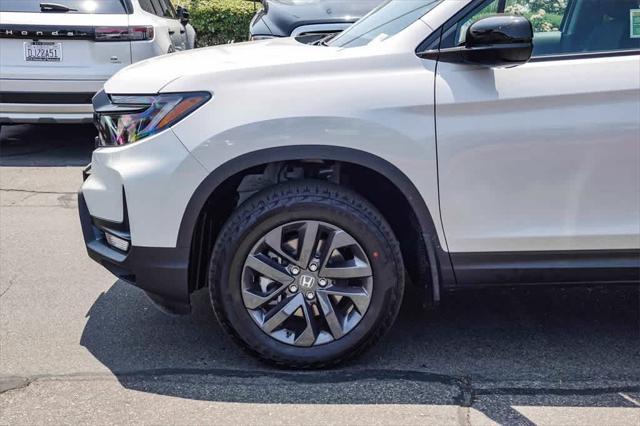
<point x="79" y="346"/>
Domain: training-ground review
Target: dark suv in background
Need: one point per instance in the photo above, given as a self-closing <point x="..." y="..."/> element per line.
<point x="310" y="19"/>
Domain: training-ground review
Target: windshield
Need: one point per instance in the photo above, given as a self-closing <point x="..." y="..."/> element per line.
<point x="386" y="20"/>
<point x="74" y="6"/>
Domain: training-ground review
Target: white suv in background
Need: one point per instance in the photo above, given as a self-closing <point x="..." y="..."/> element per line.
<point x="54" y="56"/>
<point x="449" y="144"/>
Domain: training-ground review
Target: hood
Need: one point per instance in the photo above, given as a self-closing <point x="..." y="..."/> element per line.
<point x="152" y="75"/>
<point x="283" y="16"/>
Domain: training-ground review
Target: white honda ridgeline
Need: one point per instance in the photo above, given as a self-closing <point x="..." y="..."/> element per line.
<point x="446" y="144"/>
<point x="55" y="56"/>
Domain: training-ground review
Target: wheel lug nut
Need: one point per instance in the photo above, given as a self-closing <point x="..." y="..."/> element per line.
<point x="295" y="270"/>
<point x="310" y="295"/>
<point x="322" y="282"/>
<point x="293" y="288"/>
<point x="313" y="267"/>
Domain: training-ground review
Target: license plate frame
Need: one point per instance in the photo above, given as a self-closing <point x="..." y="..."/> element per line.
<point x="43" y="51"/>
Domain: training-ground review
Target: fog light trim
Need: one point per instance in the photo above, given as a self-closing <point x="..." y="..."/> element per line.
<point x="117" y="242"/>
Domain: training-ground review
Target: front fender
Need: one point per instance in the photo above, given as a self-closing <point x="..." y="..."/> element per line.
<point x="403" y="153"/>
<point x="428" y="222"/>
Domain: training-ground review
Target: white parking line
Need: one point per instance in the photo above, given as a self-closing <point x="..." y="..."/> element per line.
<point x="628" y="398"/>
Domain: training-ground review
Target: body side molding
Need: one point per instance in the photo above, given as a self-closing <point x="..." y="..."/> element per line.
<point x="547" y="267"/>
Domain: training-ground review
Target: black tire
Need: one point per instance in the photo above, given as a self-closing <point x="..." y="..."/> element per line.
<point x="313" y="201"/>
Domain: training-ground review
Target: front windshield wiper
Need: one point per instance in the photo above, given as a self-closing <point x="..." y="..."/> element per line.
<point x="55" y="7"/>
<point x="324" y="41"/>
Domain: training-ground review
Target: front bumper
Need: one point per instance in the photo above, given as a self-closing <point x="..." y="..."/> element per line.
<point x="163" y="273"/>
<point x="139" y="193"/>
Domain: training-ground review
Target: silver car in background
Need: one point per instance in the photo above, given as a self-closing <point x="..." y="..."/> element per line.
<point x="54" y="56"/>
<point x="310" y="20"/>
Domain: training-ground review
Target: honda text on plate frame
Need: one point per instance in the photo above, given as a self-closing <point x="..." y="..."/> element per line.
<point x="448" y="144"/>
<point x="54" y="56"/>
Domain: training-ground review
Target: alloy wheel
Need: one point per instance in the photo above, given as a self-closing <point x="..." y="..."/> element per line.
<point x="307" y="283"/>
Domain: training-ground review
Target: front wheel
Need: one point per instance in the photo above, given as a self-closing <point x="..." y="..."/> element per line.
<point x="306" y="274"/>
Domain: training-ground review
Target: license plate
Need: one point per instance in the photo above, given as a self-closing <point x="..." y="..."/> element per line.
<point x="42" y="51"/>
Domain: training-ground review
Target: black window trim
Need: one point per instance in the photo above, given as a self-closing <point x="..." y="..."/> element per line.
<point x="158" y="13"/>
<point x="164" y="5"/>
<point x="585" y="55"/>
<point x="128" y="6"/>
<point x="568" y="14"/>
<point x="173" y="10"/>
<point x="440" y="31"/>
<point x="442" y="28"/>
<point x="153" y="8"/>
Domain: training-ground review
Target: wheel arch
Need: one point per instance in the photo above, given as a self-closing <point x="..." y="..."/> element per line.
<point x="440" y="275"/>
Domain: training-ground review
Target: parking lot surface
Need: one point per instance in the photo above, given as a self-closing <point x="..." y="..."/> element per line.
<point x="79" y="346"/>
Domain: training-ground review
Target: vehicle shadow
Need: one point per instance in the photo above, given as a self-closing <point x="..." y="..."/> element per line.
<point x="491" y="350"/>
<point x="46" y="145"/>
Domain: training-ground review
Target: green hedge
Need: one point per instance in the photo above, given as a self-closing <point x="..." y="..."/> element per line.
<point x="219" y="21"/>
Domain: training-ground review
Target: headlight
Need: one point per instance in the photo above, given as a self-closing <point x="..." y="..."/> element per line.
<point x="123" y="119"/>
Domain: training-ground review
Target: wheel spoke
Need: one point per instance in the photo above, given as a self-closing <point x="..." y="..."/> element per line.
<point x="269" y="269"/>
<point x="310" y="333"/>
<point x="358" y="295"/>
<point x="283" y="311"/>
<point x="274" y="240"/>
<point x="337" y="239"/>
<point x="353" y="269"/>
<point x="308" y="243"/>
<point x="254" y="301"/>
<point x="330" y="315"/>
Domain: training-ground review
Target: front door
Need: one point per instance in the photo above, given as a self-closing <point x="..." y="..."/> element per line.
<point x="545" y="156"/>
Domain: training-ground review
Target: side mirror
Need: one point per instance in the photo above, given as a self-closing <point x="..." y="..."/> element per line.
<point x="183" y="15"/>
<point x="495" y="41"/>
